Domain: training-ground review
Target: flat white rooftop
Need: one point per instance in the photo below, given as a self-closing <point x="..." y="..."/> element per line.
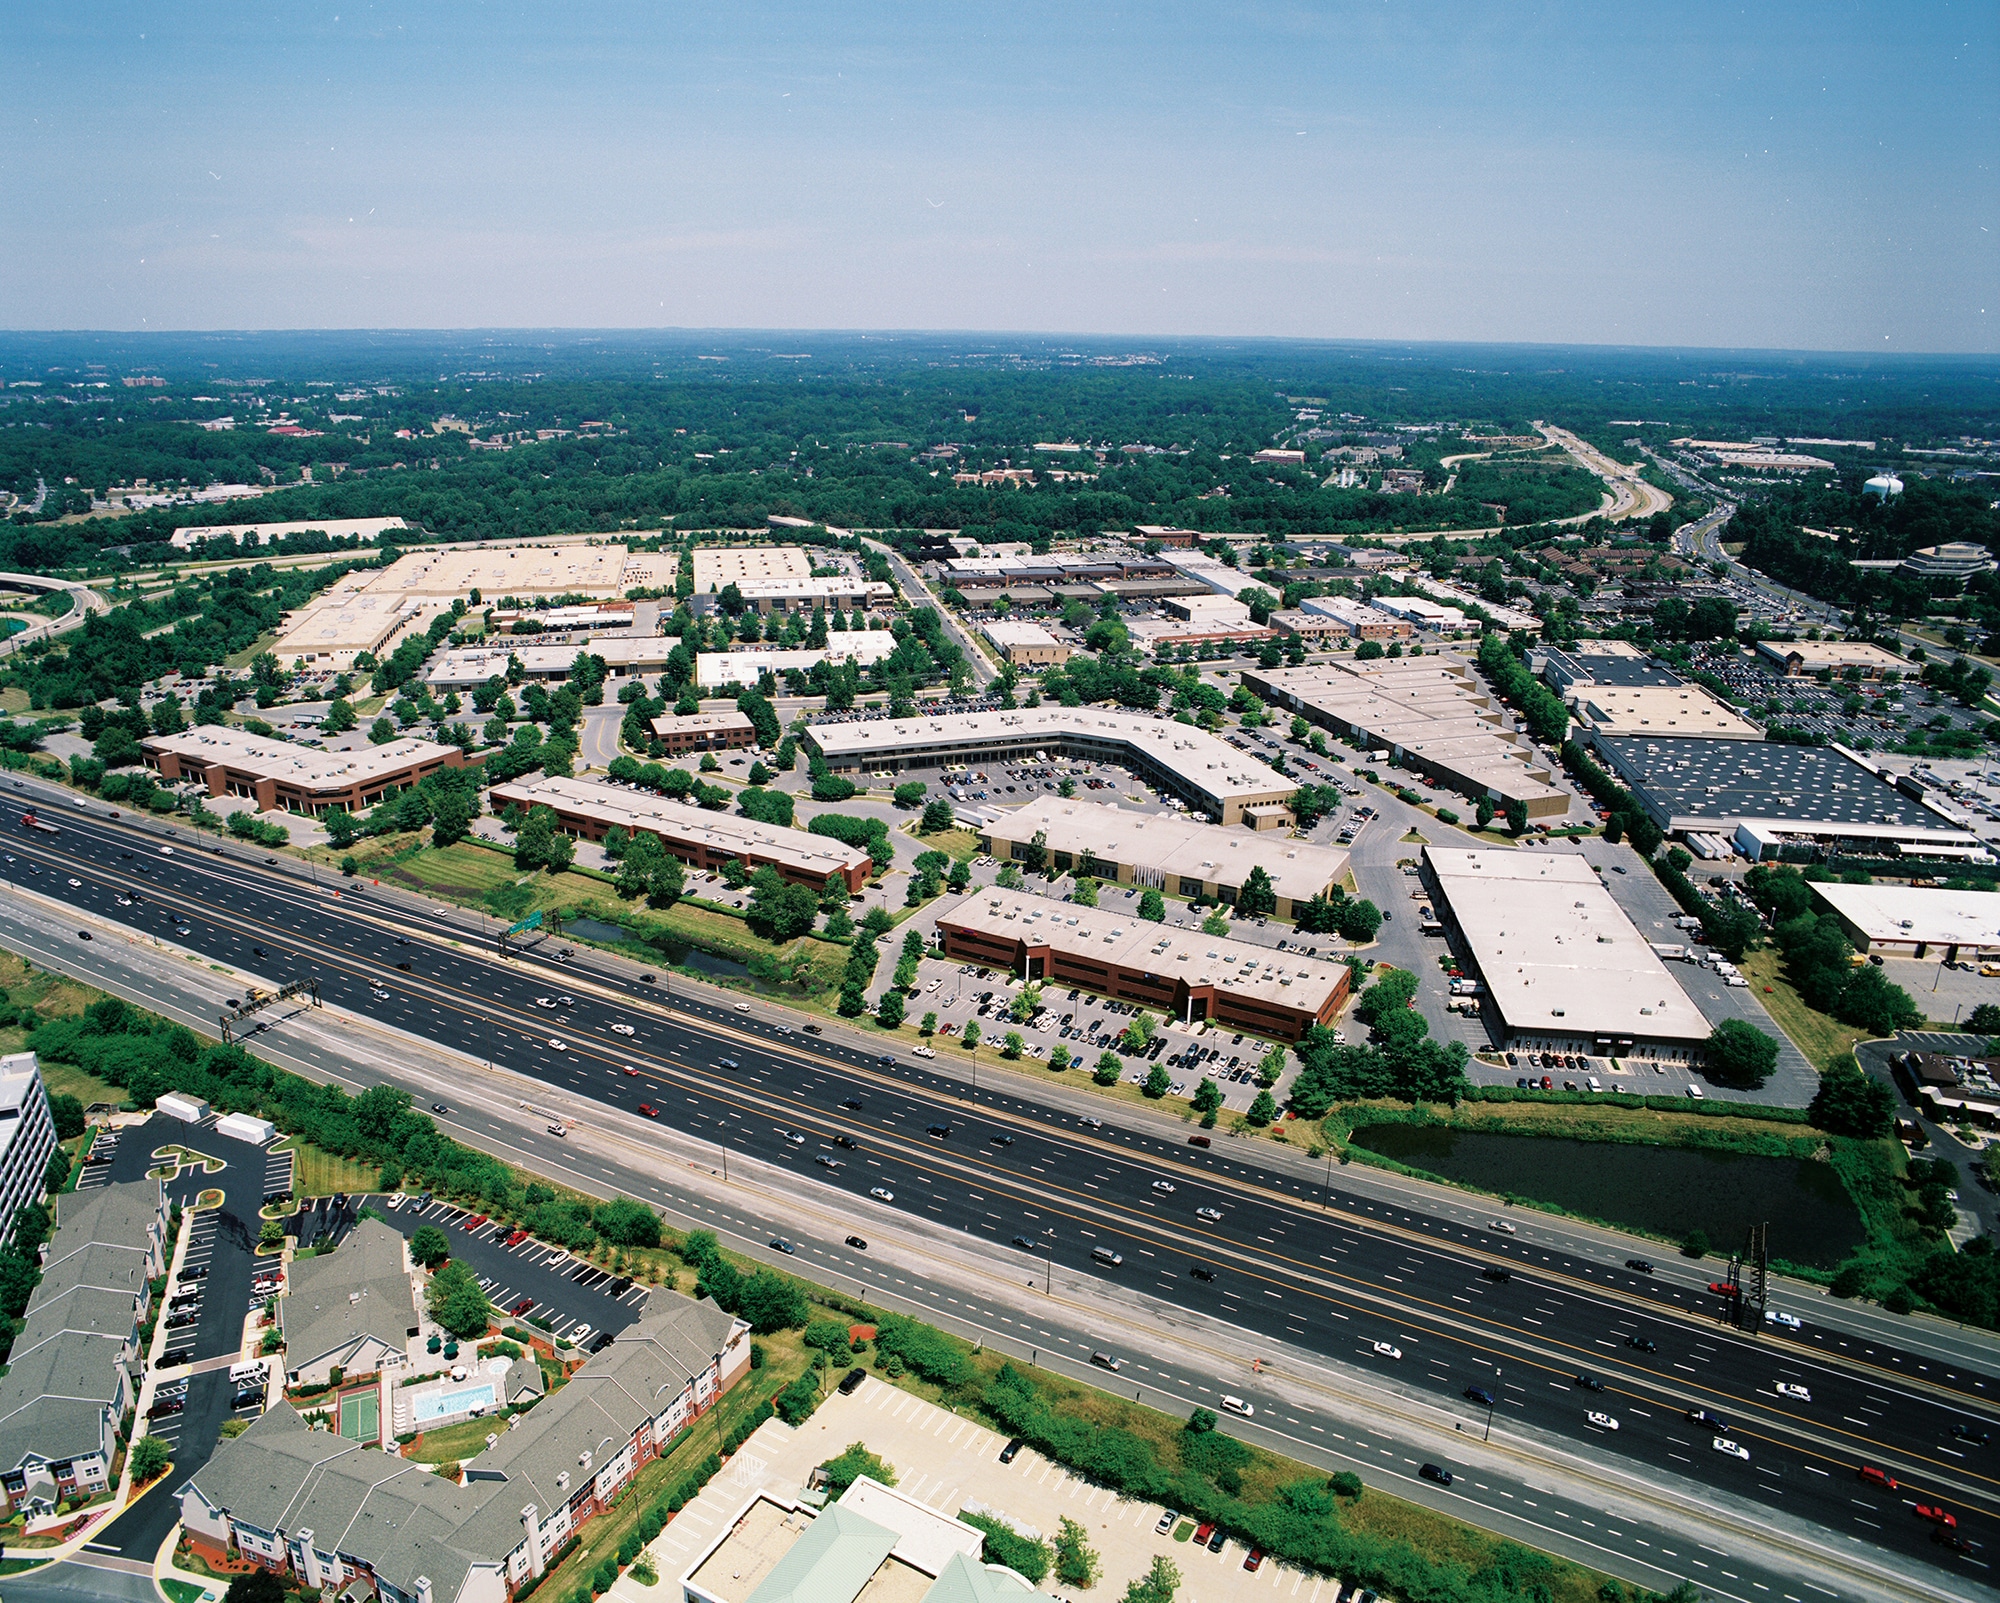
<point x="1661" y="710"/>
<point x="1005" y="632"/>
<point x="716" y="566"/>
<point x="1907" y="913"/>
<point x="713" y="668"/>
<point x="1556" y="952"/>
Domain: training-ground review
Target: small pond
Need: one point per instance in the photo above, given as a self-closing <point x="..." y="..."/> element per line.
<point x="1666" y="1190"/>
<point x="674" y="953"/>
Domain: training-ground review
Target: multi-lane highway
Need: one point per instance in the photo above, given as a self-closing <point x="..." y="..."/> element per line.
<point x="1044" y="1186"/>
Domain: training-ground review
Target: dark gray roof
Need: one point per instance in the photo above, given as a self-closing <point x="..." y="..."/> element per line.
<point x="1569" y="668"/>
<point x="361" y="1290"/>
<point x="1686" y="777"/>
<point x="279" y="1475"/>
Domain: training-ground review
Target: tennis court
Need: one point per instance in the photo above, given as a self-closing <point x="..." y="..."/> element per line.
<point x="361" y="1416"/>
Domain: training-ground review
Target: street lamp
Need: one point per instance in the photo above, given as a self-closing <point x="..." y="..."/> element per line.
<point x="1048" y="1269"/>
<point x="1491" y="1398"/>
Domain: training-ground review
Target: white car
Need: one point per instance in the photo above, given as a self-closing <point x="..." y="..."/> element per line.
<point x="558" y="1044"/>
<point x="1236" y="1405"/>
<point x="1722" y="1444"/>
<point x="1500" y="1225"/>
<point x="1798" y="1394"/>
<point x="1789" y="1321"/>
<point x="545" y="1001"/>
<point x="1214" y="1215"/>
<point x="76" y="884"/>
<point x="922" y="1052"/>
<point x="1163" y="1185"/>
<point x="577" y="1336"/>
<point x="1387" y="1349"/>
<point x="623" y="1029"/>
<point x="1601" y="1421"/>
<point x="743" y="1007"/>
<point x="881" y="1193"/>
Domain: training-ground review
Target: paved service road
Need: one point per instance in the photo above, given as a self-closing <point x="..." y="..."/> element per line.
<point x="1285" y="1266"/>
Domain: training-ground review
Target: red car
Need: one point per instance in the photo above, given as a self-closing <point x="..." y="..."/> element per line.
<point x="630" y="1072"/>
<point x="649" y="1110"/>
<point x="523" y="1306"/>
<point x="1937" y="1516"/>
<point x="1722" y="1288"/>
<point x="475" y="1221"/>
<point x="1254" y="1560"/>
<point x="1876" y="1477"/>
<point x="1202" y="1532"/>
<point x="516" y="1237"/>
<point x="1548" y="1084"/>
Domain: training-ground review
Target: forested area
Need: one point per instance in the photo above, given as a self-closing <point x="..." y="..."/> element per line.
<point x="636" y="431"/>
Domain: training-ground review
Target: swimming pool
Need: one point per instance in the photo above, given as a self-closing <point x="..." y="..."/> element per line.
<point x="428" y="1407"/>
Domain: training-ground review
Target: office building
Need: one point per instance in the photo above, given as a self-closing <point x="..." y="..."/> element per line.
<point x="1838" y="657"/>
<point x="27" y="1136"/>
<point x="715" y="669"/>
<point x="1024" y="644"/>
<point x="1564" y="969"/>
<point x="1182" y="856"/>
<point x="704" y="731"/>
<point x="1182" y="973"/>
<point x="590" y="808"/>
<point x="1358" y="619"/>
<point x="1915" y="921"/>
<point x="277" y="774"/>
<point x="1206" y="773"/>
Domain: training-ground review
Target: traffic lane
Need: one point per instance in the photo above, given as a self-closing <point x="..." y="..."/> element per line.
<point x="575" y="1076"/>
<point x="571" y="1295"/>
<point x="1329" y="1436"/>
<point x="1544" y="1396"/>
<point x="651" y="1188"/>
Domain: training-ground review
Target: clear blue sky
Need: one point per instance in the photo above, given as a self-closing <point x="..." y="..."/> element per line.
<point x="1774" y="175"/>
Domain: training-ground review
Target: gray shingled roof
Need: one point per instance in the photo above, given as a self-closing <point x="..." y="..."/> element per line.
<point x="361" y="1290"/>
<point x="279" y="1475"/>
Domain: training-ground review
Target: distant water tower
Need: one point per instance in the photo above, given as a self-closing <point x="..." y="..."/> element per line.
<point x="1883" y="485"/>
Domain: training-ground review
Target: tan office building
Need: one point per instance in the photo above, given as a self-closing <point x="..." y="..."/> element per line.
<point x="277" y="774"/>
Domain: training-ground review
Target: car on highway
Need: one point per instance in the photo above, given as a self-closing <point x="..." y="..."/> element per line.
<point x="884" y="1194"/>
<point x="558" y="1044"/>
<point x="1236" y="1405"/>
<point x="1500" y="1225"/>
<point x="545" y="1001"/>
<point x="649" y="1110"/>
<point x="1773" y="1316"/>
<point x="76" y="884"/>
<point x="1644" y="1344"/>
<point x="1732" y="1449"/>
<point x="1000" y="1140"/>
<point x="1601" y="1421"/>
<point x="1480" y="1395"/>
<point x="814" y="1029"/>
<point x="743" y="1007"/>
<point x="1590" y="1383"/>
<point x="727" y="1063"/>
<point x="826" y="1162"/>
<point x="1213" y="1215"/>
<point x="83" y="935"/>
<point x="1201" y="1271"/>
<point x="1494" y="1271"/>
<point x="1798" y="1394"/>
<point x="1639" y="1266"/>
<point x="1876" y="1477"/>
<point x="1436" y="1472"/>
<point x="780" y="1244"/>
<point x="1942" y="1518"/>
<point x="941" y="1131"/>
<point x="857" y="1243"/>
<point x="796" y="1137"/>
<point x="439" y="1107"/>
<point x="1723" y="1288"/>
<point x="1165" y="1187"/>
<point x="1387" y="1349"/>
<point x="1962" y="1432"/>
<point x="1106" y="1361"/>
<point x="623" y="1029"/>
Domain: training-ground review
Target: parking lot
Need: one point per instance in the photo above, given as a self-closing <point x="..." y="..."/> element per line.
<point x="524" y="1279"/>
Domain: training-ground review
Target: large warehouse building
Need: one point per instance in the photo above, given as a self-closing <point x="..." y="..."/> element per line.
<point x="1182" y="856"/>
<point x="701" y="839"/>
<point x="1206" y="773"/>
<point x="1915" y="921"/>
<point x="275" y="773"/>
<point x="1428" y="714"/>
<point x="1564" y="968"/>
<point x="1767" y="796"/>
<point x="1183" y="973"/>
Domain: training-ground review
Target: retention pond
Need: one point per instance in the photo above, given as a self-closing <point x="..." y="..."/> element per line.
<point x="1667" y="1191"/>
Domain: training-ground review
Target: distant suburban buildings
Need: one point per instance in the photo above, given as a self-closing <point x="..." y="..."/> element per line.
<point x="365" y="530"/>
<point x="277" y="774"/>
<point x="1793" y="657"/>
<point x="777" y="578"/>
<point x="714" y="669"/>
<point x="73" y="1373"/>
<point x="1026" y="645"/>
<point x="704" y="731"/>
<point x="1358" y="619"/>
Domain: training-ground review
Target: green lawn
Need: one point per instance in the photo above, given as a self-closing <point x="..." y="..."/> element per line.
<point x="319" y="1173"/>
<point x="1820" y="1037"/>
